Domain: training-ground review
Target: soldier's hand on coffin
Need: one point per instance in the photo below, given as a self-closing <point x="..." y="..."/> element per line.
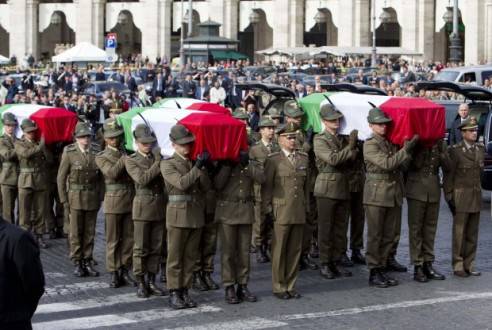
<point x="201" y="159"/>
<point x="410" y="145"/>
<point x="353" y="137"/>
<point x="156" y="151"/>
<point x="244" y="158"/>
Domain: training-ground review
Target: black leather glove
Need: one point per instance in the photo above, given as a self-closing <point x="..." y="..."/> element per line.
<point x="157" y="153"/>
<point x="353" y="137"/>
<point x="269" y="220"/>
<point x="202" y="159"/>
<point x="409" y="145"/>
<point x="310" y="135"/>
<point x="452" y="206"/>
<point x="244" y="158"/>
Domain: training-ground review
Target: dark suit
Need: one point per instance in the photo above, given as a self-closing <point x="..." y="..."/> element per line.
<point x="131" y="84"/>
<point x="455" y="133"/>
<point x="206" y="93"/>
<point x="188" y="88"/>
<point x="158" y="83"/>
<point x="21" y="277"/>
<point x="100" y="76"/>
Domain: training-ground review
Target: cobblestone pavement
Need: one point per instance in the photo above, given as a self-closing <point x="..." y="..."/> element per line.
<point x="88" y="303"/>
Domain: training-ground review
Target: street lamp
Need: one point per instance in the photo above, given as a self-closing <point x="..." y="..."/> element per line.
<point x="374" y="51"/>
<point x="455" y="52"/>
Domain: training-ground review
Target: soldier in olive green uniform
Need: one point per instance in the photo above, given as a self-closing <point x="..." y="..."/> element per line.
<point x="259" y="152"/>
<point x="333" y="153"/>
<point x="79" y="185"/>
<point x="149" y="219"/>
<point x="423" y="193"/>
<point x="54" y="208"/>
<point x="34" y="161"/>
<point x="10" y="167"/>
<point x="235" y="213"/>
<point x="118" y="198"/>
<point x="242" y="115"/>
<point x="304" y="143"/>
<point x="186" y="185"/>
<point x="285" y="194"/>
<point x="464" y="195"/>
<point x="383" y="195"/>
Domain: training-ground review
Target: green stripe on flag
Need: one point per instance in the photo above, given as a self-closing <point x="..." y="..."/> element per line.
<point x="310" y="104"/>
<point x="125" y="120"/>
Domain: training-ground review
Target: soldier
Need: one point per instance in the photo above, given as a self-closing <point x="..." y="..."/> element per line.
<point x="118" y="198"/>
<point x="79" y="186"/>
<point x="285" y="194"/>
<point x="241" y="115"/>
<point x="149" y="219"/>
<point x="259" y="152"/>
<point x="54" y="208"/>
<point x="464" y="195"/>
<point x="304" y="142"/>
<point x="186" y="185"/>
<point x="383" y="195"/>
<point x="235" y="213"/>
<point x="334" y="153"/>
<point x="423" y="193"/>
<point x="34" y="159"/>
<point x="10" y="166"/>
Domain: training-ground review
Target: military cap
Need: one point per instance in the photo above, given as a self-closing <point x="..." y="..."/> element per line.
<point x="240" y="114"/>
<point x="328" y="112"/>
<point x="9" y="119"/>
<point x="377" y="116"/>
<point x="111" y="128"/>
<point x="274" y="113"/>
<point x="144" y="134"/>
<point x="82" y="129"/>
<point x="469" y="124"/>
<point x="266" y="121"/>
<point x="287" y="129"/>
<point x="28" y="125"/>
<point x="292" y="110"/>
<point x="181" y="135"/>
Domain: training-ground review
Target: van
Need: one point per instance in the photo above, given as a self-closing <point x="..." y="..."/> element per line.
<point x="465" y="74"/>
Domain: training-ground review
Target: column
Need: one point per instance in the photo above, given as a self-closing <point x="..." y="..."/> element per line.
<point x="230" y="21"/>
<point x="165" y="10"/>
<point x="281" y="23"/>
<point x="346" y="23"/>
<point x="150" y="29"/>
<point x="31" y="20"/>
<point x="99" y="12"/>
<point x="427" y="22"/>
<point x="84" y="24"/>
<point x="408" y="17"/>
<point x="473" y="19"/>
<point x="296" y="32"/>
<point x="362" y="23"/>
<point x="488" y="31"/>
<point x="17" y="37"/>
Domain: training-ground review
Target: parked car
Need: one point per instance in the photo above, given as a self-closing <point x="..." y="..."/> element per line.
<point x="271" y="95"/>
<point x="466" y="74"/>
<point x="98" y="88"/>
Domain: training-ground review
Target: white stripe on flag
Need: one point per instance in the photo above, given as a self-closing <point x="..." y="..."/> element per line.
<point x="183" y="102"/>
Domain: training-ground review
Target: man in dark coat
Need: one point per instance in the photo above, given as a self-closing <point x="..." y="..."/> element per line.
<point x="21" y="277"/>
<point x="455" y="133"/>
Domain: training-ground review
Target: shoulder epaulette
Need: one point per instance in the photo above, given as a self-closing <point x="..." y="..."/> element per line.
<point x="100" y="153"/>
<point x="273" y="154"/>
<point x="303" y="153"/>
<point x="71" y="147"/>
<point x="134" y="155"/>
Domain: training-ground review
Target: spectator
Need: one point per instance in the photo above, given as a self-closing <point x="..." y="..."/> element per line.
<point x="159" y="86"/>
<point x="254" y="116"/>
<point x="455" y="133"/>
<point x="217" y="94"/>
<point x="202" y="91"/>
<point x="188" y="87"/>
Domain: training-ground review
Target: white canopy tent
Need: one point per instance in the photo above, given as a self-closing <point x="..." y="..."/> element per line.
<point x="82" y="52"/>
<point x="4" y="60"/>
<point x="311" y="52"/>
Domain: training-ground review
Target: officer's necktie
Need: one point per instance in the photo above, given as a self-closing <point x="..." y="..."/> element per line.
<point x="269" y="147"/>
<point x="292" y="159"/>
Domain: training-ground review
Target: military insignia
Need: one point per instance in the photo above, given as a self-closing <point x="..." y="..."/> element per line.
<point x="77" y="163"/>
<point x="302" y="168"/>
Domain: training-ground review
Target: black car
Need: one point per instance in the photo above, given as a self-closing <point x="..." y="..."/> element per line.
<point x="98" y="88"/>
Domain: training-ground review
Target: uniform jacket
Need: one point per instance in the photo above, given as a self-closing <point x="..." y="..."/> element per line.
<point x="21" y="275"/>
<point x="10" y="164"/>
<point x="259" y="153"/>
<point x="462" y="182"/>
<point x="34" y="161"/>
<point x="286" y="189"/>
<point x="423" y="177"/>
<point x="235" y="192"/>
<point x="333" y="154"/>
<point x="186" y="185"/>
<point x="119" y="188"/>
<point x="384" y="181"/>
<point x="79" y="179"/>
<point x="356" y="171"/>
<point x="150" y="200"/>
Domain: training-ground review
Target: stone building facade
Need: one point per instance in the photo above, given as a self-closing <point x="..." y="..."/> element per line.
<point x="152" y="27"/>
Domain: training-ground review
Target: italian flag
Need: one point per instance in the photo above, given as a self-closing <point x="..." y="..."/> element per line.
<point x="185" y="103"/>
<point x="410" y="115"/>
<point x="55" y="124"/>
<point x="218" y="133"/>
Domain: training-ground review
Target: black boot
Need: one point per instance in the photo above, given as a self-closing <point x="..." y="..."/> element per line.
<point x="326" y="272"/>
<point x="175" y="300"/>
<point x="59" y="232"/>
<point x="375" y="279"/>
<point x="394" y="266"/>
<point x="198" y="282"/>
<point x="126" y="278"/>
<point x="79" y="269"/>
<point x="262" y="255"/>
<point x="230" y="295"/>
<point x="243" y="294"/>
<point x="431" y="273"/>
<point x="89" y="269"/>
<point x="52" y="234"/>
<point x="209" y="281"/>
<point x="142" y="291"/>
<point x="307" y="263"/>
<point x="418" y="274"/>
<point x="357" y="257"/>
<point x="342" y="271"/>
<point x="153" y="288"/>
<point x="314" y="250"/>
<point x="42" y="244"/>
<point x="391" y="281"/>
<point x="115" y="280"/>
<point x="345" y="261"/>
<point x="163" y="278"/>
<point x="189" y="303"/>
<point x="252" y="249"/>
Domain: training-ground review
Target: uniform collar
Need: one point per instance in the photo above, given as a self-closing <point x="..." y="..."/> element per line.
<point x="146" y="156"/>
<point x="287" y="153"/>
<point x="84" y="151"/>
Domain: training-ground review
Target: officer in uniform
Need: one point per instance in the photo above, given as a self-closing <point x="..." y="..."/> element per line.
<point x="304" y="143"/>
<point x="10" y="167"/>
<point x="464" y="195"/>
<point x="118" y="198"/>
<point x="79" y="185"/>
<point x="34" y="161"/>
<point x="186" y="185"/>
<point x="241" y="115"/>
<point x="285" y="194"/>
<point x="149" y="219"/>
<point x="259" y="151"/>
<point x="235" y="213"/>
<point x="54" y="208"/>
<point x="333" y="154"/>
<point x="383" y="195"/>
<point x="423" y="193"/>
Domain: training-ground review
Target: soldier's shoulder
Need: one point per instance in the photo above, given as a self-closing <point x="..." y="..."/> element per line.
<point x="273" y="155"/>
<point x="96" y="147"/>
<point x="70" y="148"/>
<point x="480" y="145"/>
<point x="303" y="154"/>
